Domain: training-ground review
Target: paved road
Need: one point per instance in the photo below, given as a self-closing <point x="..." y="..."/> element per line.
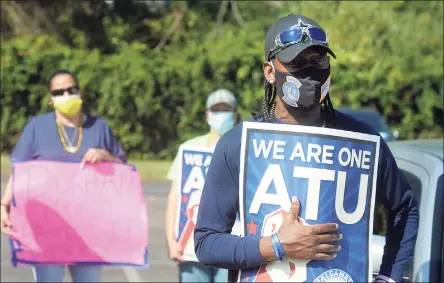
<point x="161" y="268"/>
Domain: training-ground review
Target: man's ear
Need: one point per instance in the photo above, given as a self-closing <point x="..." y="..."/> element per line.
<point x="269" y="72"/>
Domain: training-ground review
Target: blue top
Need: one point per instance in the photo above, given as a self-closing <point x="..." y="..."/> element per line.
<point x="40" y="140"/>
<point x="215" y="246"/>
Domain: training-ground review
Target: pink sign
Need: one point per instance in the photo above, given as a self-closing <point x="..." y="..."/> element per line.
<point x="62" y="214"/>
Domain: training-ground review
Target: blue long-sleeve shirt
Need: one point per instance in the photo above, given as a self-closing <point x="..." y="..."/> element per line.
<point x="215" y="246"/>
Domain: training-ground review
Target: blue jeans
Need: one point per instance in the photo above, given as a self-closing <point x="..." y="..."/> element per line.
<point x="196" y="272"/>
<point x="55" y="273"/>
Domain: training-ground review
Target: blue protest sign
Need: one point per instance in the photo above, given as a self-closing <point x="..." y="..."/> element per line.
<point x="193" y="167"/>
<point x="333" y="174"/>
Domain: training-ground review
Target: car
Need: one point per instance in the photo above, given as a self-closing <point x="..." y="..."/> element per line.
<point x="372" y="118"/>
<point x="421" y="162"/>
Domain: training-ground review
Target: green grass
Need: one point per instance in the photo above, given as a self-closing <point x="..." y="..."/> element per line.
<point x="5" y="165"/>
<point x="152" y="169"/>
<point x="148" y="169"/>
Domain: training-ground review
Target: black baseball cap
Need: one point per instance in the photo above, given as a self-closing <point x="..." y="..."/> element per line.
<point x="290" y="52"/>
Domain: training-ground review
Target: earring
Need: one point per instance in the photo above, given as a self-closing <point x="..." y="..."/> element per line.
<point x="50" y="103"/>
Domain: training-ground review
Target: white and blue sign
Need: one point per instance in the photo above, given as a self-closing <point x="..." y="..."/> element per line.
<point x="193" y="168"/>
<point x="333" y="174"/>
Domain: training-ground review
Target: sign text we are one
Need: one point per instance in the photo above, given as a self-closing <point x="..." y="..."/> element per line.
<point x="313" y="154"/>
<point x="196" y="178"/>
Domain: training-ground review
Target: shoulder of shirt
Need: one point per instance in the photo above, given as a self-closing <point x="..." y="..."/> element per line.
<point x="233" y="138"/>
<point x="230" y="142"/>
<point x="348" y="123"/>
<point x="96" y="119"/>
<point x="41" y="118"/>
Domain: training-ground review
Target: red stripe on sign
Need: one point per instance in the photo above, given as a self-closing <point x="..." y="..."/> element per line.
<point x="188" y="230"/>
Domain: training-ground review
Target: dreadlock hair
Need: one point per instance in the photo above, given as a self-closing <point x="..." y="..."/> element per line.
<point x="268" y="110"/>
<point x="327" y="110"/>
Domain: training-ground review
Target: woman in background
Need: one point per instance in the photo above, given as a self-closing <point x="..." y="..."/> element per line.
<point x="63" y="135"/>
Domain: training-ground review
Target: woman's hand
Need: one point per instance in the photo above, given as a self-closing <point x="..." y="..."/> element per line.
<point x="6" y="225"/>
<point x="95" y="155"/>
<point x="175" y="252"/>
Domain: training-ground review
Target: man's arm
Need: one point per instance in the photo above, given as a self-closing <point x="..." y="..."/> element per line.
<point x="175" y="252"/>
<point x="394" y="192"/>
<point x="171" y="211"/>
<point x="214" y="245"/>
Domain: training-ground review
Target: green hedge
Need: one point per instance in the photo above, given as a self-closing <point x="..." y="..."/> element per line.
<point x="389" y="56"/>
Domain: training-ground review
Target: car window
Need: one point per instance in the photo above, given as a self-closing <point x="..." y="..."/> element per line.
<point x="437" y="254"/>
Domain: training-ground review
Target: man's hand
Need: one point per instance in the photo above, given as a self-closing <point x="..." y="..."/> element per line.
<point x="6" y="225"/>
<point x="95" y="155"/>
<point x="307" y="242"/>
<point x="175" y="252"/>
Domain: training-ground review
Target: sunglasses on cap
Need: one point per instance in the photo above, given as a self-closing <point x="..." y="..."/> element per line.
<point x="295" y="34"/>
<point x="71" y="90"/>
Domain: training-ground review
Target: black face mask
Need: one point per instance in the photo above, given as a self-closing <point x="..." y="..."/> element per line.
<point x="303" y="89"/>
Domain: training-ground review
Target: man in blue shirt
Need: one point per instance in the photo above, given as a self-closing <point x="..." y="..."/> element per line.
<point x="296" y="49"/>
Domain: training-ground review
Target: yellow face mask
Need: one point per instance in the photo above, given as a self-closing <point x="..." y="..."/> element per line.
<point x="68" y="104"/>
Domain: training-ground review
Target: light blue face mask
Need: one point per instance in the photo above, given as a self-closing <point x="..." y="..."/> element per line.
<point x="221" y="122"/>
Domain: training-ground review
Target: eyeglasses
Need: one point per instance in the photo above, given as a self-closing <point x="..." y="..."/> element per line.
<point x="295" y="34"/>
<point x="71" y="90"/>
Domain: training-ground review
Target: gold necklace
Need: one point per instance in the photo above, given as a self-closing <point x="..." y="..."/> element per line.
<point x="65" y="136"/>
<point x="66" y="143"/>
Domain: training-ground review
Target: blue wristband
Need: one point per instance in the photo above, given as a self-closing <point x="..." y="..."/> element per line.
<point x="277" y="255"/>
<point x="281" y="247"/>
<point x="277" y="246"/>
